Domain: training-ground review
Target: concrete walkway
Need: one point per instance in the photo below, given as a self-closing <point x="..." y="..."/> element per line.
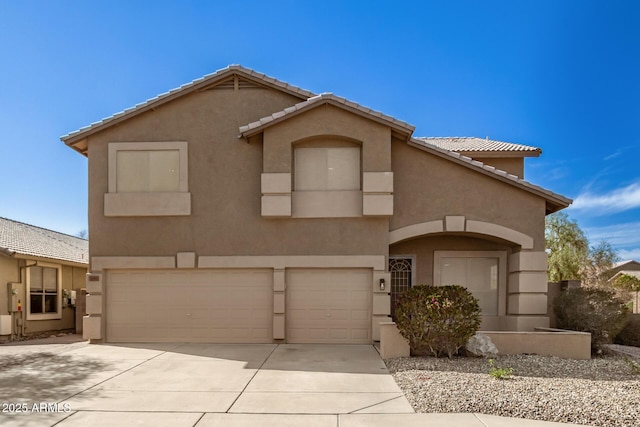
<point x="76" y="384"/>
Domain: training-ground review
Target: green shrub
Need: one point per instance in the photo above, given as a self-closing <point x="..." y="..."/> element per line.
<point x="437" y="320"/>
<point x="498" y="372"/>
<point x="630" y="334"/>
<point x="597" y="311"/>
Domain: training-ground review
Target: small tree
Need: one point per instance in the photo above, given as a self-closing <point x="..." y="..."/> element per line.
<point x="628" y="283"/>
<point x="567" y="246"/>
<point x="571" y="257"/>
<point x="437" y="320"/>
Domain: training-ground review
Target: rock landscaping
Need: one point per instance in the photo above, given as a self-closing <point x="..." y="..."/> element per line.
<point x="603" y="391"/>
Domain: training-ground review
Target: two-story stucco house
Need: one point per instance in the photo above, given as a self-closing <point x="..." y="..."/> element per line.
<point x="238" y="208"/>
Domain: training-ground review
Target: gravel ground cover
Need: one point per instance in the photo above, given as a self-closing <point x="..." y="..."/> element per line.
<point x="603" y="391"/>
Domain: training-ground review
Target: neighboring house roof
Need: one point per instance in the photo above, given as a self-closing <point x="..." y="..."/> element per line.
<point x="75" y="139"/>
<point x="633" y="273"/>
<point x="555" y="201"/>
<point x="482" y="147"/>
<point x="629" y="263"/>
<point x="326" y="98"/>
<point x="24" y="239"/>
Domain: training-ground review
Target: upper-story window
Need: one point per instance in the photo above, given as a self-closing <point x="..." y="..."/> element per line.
<point x="327" y="168"/>
<point x="327" y="179"/>
<point x="147" y="170"/>
<point x="148" y="179"/>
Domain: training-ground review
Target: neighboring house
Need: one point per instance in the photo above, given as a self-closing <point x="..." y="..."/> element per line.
<point x="631" y="268"/>
<point x="238" y="208"/>
<point x="625" y="266"/>
<point x="39" y="268"/>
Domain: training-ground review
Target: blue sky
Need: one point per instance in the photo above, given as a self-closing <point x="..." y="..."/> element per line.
<point x="557" y="74"/>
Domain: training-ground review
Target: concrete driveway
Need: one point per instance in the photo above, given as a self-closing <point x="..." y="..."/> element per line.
<point x="204" y="385"/>
<point x="193" y="384"/>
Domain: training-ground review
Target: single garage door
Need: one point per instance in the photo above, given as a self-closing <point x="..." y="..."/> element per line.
<point x="328" y="306"/>
<point x="217" y="306"/>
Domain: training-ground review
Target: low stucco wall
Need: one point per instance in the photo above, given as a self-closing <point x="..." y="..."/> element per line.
<point x="392" y="344"/>
<point x="544" y="341"/>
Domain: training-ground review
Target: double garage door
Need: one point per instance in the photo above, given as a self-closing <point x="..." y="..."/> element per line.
<point x="236" y="306"/>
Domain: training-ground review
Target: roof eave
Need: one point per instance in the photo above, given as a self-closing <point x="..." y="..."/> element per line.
<point x="51" y="260"/>
<point x="500" y="154"/>
<point x="196" y="85"/>
<point x="7" y="252"/>
<point x="401" y="131"/>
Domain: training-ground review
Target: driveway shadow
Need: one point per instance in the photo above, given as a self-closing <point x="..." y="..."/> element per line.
<point x="36" y="377"/>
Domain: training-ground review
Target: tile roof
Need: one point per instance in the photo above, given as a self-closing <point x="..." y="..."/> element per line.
<point x="25" y="239"/>
<point x="182" y="90"/>
<point x="629" y="261"/>
<point x="558" y="200"/>
<point x="473" y="144"/>
<point x="324" y="98"/>
<point x="633" y="273"/>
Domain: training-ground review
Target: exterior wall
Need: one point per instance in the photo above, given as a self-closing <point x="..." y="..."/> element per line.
<point x="73" y="278"/>
<point x="9" y="273"/>
<point x="428" y="188"/>
<point x="225" y="186"/>
<point x="513" y="165"/>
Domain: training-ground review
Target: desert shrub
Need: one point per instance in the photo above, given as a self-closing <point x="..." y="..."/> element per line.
<point x="630" y="334"/>
<point x="437" y="320"/>
<point x="593" y="310"/>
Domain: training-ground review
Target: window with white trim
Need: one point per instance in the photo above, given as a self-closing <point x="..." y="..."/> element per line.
<point x="44" y="290"/>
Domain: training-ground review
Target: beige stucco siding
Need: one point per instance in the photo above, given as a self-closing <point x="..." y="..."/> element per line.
<point x="514" y="166"/>
<point x="331" y="121"/>
<point x="225" y="185"/>
<point x="8" y="273"/>
<point x="427" y="187"/>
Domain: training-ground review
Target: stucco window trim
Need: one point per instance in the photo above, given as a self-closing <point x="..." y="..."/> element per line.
<point x="44" y="316"/>
<point x="149" y="203"/>
<point x="502" y="272"/>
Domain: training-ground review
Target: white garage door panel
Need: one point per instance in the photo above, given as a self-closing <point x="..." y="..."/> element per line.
<point x="190" y="306"/>
<point x="329" y="306"/>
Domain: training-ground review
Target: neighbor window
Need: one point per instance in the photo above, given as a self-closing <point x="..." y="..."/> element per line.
<point x="43" y="285"/>
<point x="327" y="168"/>
<point x="482" y="273"/>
